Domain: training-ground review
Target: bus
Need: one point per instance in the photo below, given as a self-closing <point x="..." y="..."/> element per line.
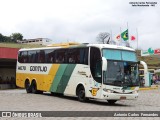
<point x="87" y="71"/>
<point x="142" y="76"/>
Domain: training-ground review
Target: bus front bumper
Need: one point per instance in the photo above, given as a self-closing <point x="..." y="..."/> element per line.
<point x="119" y="96"/>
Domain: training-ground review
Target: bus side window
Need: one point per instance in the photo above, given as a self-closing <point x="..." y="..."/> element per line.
<point x="25" y="57"/>
<point x="31" y="56"/>
<point x="49" y="56"/>
<point x="20" y="59"/>
<point x="72" y="56"/>
<point x="59" y="56"/>
<point x="84" y="56"/>
<point x="41" y="57"/>
<point x="36" y="56"/>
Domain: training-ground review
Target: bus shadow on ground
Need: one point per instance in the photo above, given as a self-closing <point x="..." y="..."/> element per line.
<point x="90" y="101"/>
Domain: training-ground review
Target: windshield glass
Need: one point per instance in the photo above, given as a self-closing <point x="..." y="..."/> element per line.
<point x="114" y="54"/>
<point x="121" y="73"/>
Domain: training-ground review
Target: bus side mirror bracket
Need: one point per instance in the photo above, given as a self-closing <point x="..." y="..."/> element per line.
<point x="104" y="64"/>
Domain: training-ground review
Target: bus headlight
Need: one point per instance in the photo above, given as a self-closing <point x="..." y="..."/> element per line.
<point x="135" y="92"/>
<point x="107" y="90"/>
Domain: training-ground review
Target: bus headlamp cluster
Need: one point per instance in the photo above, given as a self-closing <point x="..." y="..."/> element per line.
<point x="107" y="90"/>
<point x="135" y="92"/>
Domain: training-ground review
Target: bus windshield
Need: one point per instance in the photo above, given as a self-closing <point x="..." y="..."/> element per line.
<point x="121" y="73"/>
<point x="122" y="68"/>
<point x="114" y="54"/>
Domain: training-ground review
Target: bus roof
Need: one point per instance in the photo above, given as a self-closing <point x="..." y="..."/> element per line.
<point x="101" y="46"/>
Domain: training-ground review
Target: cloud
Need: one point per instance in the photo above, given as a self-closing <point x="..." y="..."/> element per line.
<point x="80" y="20"/>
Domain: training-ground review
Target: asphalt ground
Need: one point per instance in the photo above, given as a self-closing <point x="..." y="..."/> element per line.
<point x="19" y="100"/>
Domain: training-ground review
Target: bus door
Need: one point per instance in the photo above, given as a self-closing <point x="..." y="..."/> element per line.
<point x="96" y="71"/>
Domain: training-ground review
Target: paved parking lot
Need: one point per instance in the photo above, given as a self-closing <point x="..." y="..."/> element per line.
<point x="19" y="100"/>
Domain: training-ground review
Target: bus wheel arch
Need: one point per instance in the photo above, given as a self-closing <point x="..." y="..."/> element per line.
<point x="80" y="92"/>
<point x="27" y="86"/>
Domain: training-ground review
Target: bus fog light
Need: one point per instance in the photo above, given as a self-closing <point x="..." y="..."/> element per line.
<point x="135" y="92"/>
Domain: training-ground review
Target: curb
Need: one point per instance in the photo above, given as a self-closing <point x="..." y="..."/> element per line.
<point x="149" y="88"/>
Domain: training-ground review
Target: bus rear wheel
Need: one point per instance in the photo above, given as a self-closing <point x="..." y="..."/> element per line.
<point x="81" y="94"/>
<point x="111" y="102"/>
<point x="34" y="88"/>
<point x="28" y="87"/>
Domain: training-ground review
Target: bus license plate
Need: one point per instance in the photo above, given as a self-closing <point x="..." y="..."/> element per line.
<point x="122" y="98"/>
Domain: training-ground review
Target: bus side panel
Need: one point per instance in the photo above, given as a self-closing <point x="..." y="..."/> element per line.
<point x="65" y="78"/>
<point x="19" y="81"/>
<point x="80" y="75"/>
<point x="50" y="77"/>
<point x="57" y="78"/>
<point x="20" y="77"/>
<point x="62" y="77"/>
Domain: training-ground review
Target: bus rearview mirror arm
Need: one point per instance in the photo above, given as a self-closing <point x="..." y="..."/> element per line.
<point x="104" y="64"/>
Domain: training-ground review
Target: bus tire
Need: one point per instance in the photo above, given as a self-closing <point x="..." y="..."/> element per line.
<point x="34" y="88"/>
<point x="81" y="94"/>
<point x="28" y="86"/>
<point x="111" y="102"/>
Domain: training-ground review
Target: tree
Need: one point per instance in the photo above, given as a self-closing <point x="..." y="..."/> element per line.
<point x="16" y="36"/>
<point x="103" y="37"/>
<point x="7" y="39"/>
<point x="1" y="38"/>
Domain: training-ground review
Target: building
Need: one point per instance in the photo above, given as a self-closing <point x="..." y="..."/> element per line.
<point x="39" y="41"/>
<point x="8" y="58"/>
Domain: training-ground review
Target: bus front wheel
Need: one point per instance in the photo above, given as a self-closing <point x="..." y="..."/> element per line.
<point x="81" y="94"/>
<point x="28" y="87"/>
<point x="111" y="102"/>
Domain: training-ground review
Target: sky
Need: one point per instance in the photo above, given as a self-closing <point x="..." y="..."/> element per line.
<point x="81" y="20"/>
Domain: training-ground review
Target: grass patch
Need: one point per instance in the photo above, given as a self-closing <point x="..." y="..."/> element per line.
<point x="16" y="45"/>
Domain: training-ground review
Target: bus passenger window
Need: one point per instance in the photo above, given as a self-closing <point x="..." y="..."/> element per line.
<point x="84" y="56"/>
<point x="24" y="56"/>
<point x="60" y="56"/>
<point x="49" y="56"/>
<point x="72" y="59"/>
<point x="31" y="56"/>
<point x="20" y="59"/>
<point x="41" y="57"/>
<point x="78" y="59"/>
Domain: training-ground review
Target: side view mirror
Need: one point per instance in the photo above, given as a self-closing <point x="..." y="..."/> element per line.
<point x="104" y="64"/>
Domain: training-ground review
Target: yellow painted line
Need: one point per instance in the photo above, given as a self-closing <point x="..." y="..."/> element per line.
<point x="148" y="88"/>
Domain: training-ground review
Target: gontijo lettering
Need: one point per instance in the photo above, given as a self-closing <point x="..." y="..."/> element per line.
<point x="38" y="68"/>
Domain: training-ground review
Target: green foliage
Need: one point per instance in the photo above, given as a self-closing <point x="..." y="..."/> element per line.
<point x="16" y="36"/>
<point x="1" y="38"/>
<point x="4" y="38"/>
<point x="12" y="38"/>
